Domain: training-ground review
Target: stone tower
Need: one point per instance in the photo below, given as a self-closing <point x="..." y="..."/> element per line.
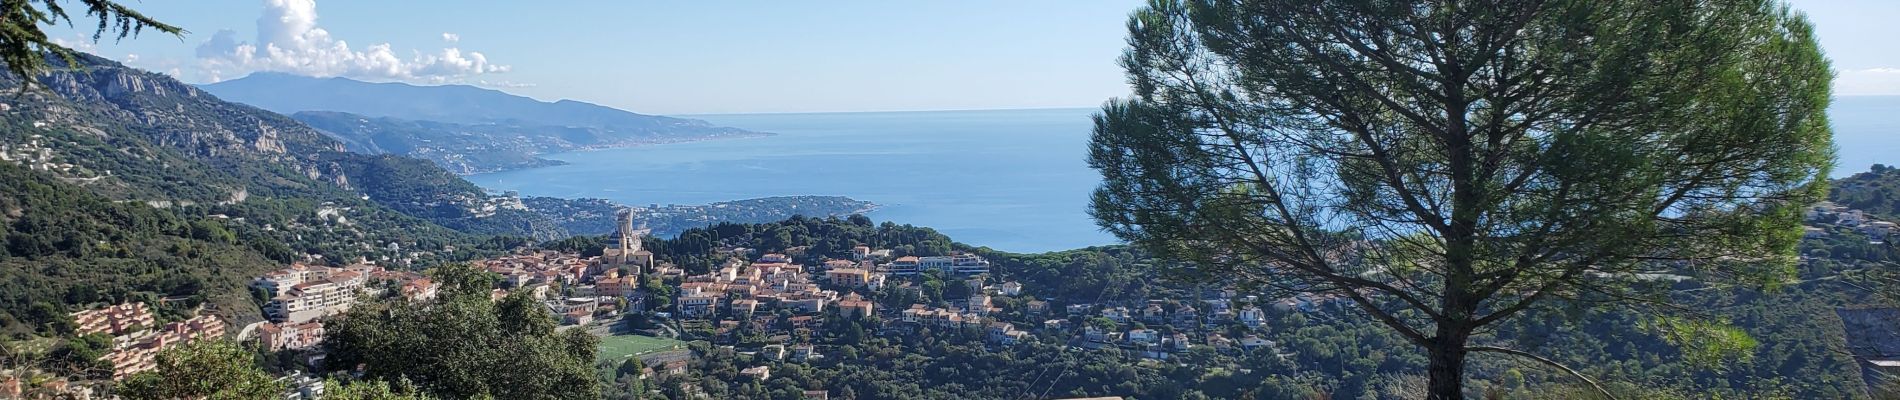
<point x="623" y="249"/>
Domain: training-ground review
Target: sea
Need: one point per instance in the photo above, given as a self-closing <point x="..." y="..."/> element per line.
<point x="1012" y="180"/>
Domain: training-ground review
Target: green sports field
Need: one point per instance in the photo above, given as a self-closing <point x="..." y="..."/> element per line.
<point x="620" y="347"/>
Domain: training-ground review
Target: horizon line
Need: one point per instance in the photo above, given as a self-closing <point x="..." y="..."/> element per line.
<point x="882" y="111"/>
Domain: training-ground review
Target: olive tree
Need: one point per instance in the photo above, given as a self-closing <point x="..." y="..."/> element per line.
<point x="1444" y="165"/>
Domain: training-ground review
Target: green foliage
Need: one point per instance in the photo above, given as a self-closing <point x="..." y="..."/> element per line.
<point x="371" y="390"/>
<point x="1876" y="191"/>
<point x="211" y="369"/>
<point x="817" y="238"/>
<point x="463" y="345"/>
<point x="23" y="46"/>
<point x="1449" y="165"/>
<point x="67" y="249"/>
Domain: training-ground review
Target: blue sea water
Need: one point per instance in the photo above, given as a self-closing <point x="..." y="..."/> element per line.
<point x="1013" y="180"/>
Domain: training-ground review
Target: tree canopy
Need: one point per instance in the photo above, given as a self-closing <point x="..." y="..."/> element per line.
<point x="1446" y="165"/>
<point x="23" y="46"/>
<point x="212" y="369"/>
<point x="463" y="345"/>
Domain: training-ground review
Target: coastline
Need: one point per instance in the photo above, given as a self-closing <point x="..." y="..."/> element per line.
<point x="549" y="162"/>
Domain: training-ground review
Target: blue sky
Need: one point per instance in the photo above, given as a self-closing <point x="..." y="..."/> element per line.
<point x="749" y="56"/>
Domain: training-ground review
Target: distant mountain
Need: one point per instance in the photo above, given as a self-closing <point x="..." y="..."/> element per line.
<point x="463" y="149"/>
<point x="464" y="128"/>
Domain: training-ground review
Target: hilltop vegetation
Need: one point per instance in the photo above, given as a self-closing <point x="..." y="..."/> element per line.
<point x="1876" y="191"/>
<point x="66" y="248"/>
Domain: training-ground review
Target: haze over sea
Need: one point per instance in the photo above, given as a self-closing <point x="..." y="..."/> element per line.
<point x="1013" y="180"/>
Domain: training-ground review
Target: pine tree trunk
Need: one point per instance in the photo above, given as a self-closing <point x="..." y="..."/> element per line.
<point x="1447" y="370"/>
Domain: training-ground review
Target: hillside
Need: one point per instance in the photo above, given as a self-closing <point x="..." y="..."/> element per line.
<point x="596" y="216"/>
<point x="463" y="128"/>
<point x="128" y="184"/>
<point x="135" y="135"/>
<point x="66" y="247"/>
<point x="1876" y="192"/>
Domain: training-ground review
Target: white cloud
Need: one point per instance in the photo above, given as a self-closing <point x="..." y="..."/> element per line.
<point x="1870" y="81"/>
<point x="289" y="40"/>
<point x="77" y="43"/>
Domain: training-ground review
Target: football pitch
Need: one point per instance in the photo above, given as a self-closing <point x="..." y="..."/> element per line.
<point x="619" y="347"/>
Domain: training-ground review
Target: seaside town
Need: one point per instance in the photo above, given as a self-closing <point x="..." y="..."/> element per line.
<point x="773" y="295"/>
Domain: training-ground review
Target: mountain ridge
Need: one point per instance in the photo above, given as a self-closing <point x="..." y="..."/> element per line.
<point x="474" y="119"/>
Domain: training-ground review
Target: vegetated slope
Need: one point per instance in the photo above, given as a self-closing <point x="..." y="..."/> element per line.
<point x="136" y="135"/>
<point x="66" y="248"/>
<point x="122" y="184"/>
<point x="1876" y="192"/>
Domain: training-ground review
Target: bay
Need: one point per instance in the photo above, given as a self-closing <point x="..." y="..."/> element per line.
<point x="1013" y="180"/>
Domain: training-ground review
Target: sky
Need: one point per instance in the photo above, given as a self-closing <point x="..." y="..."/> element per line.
<point x="747" y="56"/>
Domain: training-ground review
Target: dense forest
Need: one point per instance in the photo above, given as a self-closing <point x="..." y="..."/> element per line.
<point x="67" y="248"/>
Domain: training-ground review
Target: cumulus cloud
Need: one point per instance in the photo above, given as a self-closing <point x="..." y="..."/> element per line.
<point x="1869" y="81"/>
<point x="289" y="40"/>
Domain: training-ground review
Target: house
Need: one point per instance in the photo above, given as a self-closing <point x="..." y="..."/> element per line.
<point x="616" y="286"/>
<point x="978" y="304"/>
<point x="1153" y="313"/>
<point x="807" y="304"/>
<point x="958" y="263"/>
<point x="906" y="265"/>
<point x="1144" y="336"/>
<point x="1056" y="324"/>
<point x="773" y="351"/>
<point x="578" y="316"/>
<point x="114" y="320"/>
<point x="1011" y="288"/>
<point x="1036" y="306"/>
<point x="818" y="394"/>
<point x="803" y="352"/>
<point x="1253" y="316"/>
<point x="1879" y="229"/>
<point x="1096" y="335"/>
<point x="745" y="307"/>
<point x="855" y="306"/>
<point x="1253" y="342"/>
<point x="698" y="304"/>
<point x="277" y="337"/>
<point x="836" y="264"/>
<point x="1003" y="333"/>
<point x="848" y="277"/>
<point x="760" y="373"/>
